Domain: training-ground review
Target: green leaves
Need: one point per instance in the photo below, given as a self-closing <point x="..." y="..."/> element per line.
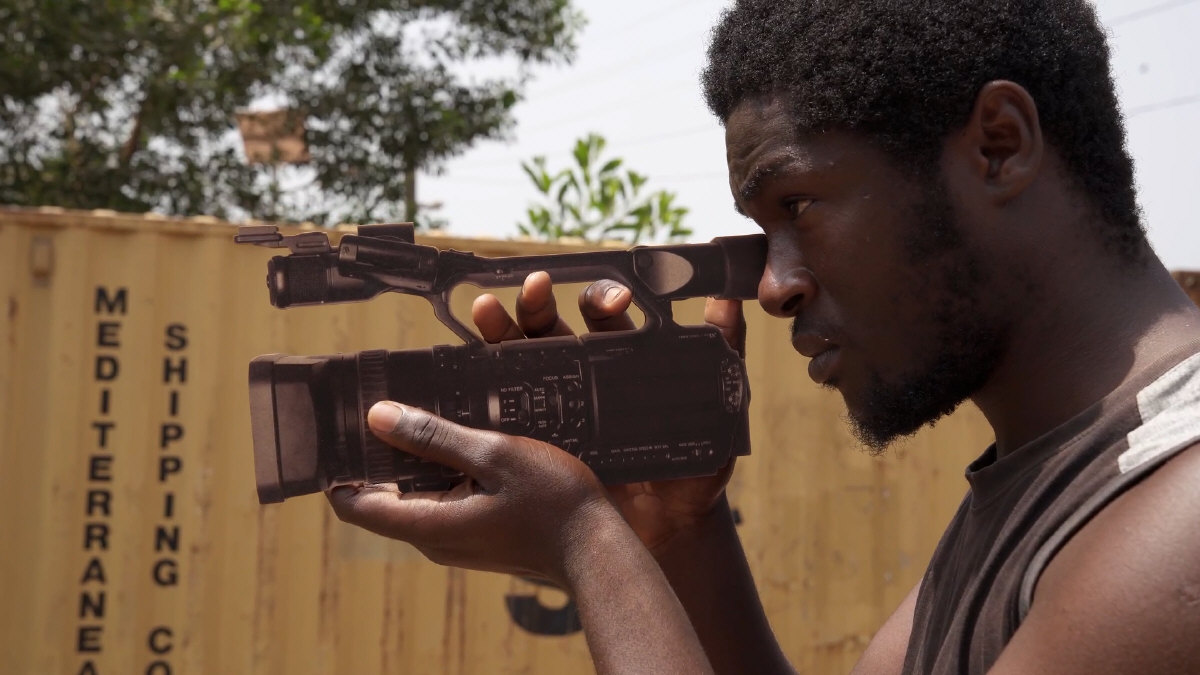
<point x="598" y="204"/>
<point x="130" y="105"/>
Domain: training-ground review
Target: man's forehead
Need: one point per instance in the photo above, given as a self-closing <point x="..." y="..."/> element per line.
<point x="763" y="144"/>
<point x="754" y="124"/>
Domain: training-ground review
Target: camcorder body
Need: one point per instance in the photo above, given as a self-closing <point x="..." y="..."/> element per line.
<point x="660" y="402"/>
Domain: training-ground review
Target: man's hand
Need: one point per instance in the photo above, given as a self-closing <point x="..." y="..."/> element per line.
<point x="527" y="508"/>
<point x="656" y="510"/>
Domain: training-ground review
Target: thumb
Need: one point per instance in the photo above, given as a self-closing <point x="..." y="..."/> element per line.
<point x="727" y="316"/>
<point x="430" y="437"/>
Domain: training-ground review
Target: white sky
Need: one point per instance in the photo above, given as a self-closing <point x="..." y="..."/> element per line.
<point x="635" y="81"/>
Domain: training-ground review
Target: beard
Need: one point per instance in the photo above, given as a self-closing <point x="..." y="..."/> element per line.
<point x="963" y="345"/>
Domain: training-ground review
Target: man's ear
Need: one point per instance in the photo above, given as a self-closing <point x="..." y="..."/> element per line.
<point x="1003" y="139"/>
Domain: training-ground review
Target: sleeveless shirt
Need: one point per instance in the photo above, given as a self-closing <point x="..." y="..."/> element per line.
<point x="1021" y="509"/>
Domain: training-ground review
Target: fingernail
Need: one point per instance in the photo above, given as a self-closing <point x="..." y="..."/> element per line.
<point x="385" y="416"/>
<point x="612" y="294"/>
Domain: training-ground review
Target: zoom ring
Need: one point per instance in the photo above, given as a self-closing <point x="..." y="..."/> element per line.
<point x="378" y="457"/>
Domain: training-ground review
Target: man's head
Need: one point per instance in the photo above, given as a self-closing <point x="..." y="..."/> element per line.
<point x="887" y="149"/>
<point x="905" y="74"/>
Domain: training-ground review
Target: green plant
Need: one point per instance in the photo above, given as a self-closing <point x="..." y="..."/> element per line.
<point x="129" y="104"/>
<point x="598" y="201"/>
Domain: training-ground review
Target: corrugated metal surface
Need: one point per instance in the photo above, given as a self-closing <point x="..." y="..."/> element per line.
<point x="132" y="541"/>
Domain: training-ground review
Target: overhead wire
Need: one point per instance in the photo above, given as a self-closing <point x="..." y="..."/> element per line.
<point x="1150" y="11"/>
<point x="617" y="104"/>
<point x="606" y="72"/>
<point x="657" y="13"/>
<point x="616" y="145"/>
<point x="613" y="70"/>
<point x="628" y="63"/>
<point x="1141" y="14"/>
<point x="1163" y="105"/>
<point x="617" y="68"/>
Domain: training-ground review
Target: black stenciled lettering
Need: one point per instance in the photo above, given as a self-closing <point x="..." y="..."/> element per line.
<point x="529" y="613"/>
<point x="95" y="533"/>
<point x="99" y="500"/>
<point x="117" y="305"/>
<point x="166" y="538"/>
<point x="176" y="369"/>
<point x="160" y="640"/>
<point x="93" y="597"/>
<point x="100" y="468"/>
<point x="94" y="572"/>
<point x="168" y="465"/>
<point x="92" y="604"/>
<point x="166" y="572"/>
<point x="168" y="434"/>
<point x="106" y="334"/>
<point x="176" y="337"/>
<point x="107" y="368"/>
<point x="103" y="428"/>
<point x="87" y="640"/>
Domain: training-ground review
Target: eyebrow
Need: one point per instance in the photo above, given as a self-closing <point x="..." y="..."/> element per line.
<point x="760" y="176"/>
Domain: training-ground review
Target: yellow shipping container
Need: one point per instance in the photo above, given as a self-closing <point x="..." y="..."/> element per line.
<point x="132" y="538"/>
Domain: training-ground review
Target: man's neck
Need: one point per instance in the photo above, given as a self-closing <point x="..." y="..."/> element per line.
<point x="1088" y="332"/>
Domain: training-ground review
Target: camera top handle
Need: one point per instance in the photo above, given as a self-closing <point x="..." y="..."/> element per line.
<point x="384" y="258"/>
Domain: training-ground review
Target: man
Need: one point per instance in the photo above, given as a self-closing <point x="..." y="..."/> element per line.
<point x="950" y="214"/>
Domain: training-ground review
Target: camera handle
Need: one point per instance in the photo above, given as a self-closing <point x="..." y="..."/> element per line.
<point x="728" y="267"/>
<point x="382" y="258"/>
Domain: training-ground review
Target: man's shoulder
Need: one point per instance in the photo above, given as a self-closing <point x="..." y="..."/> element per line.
<point x="1169" y="412"/>
<point x="1123" y="594"/>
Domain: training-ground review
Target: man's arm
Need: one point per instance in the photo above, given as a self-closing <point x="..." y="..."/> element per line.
<point x="708" y="570"/>
<point x="531" y="509"/>
<point x="885" y="654"/>
<point x="631" y="618"/>
<point x="720" y="597"/>
<point x="1123" y="596"/>
<point x="686" y="523"/>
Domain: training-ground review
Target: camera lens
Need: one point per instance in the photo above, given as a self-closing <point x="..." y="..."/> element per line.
<point x="298" y="280"/>
<point x="283" y="419"/>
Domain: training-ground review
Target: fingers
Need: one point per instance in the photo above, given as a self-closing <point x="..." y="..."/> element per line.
<point x="428" y="436"/>
<point x="382" y="509"/>
<point x="604" y="304"/>
<point x="537" y="312"/>
<point x="493" y="322"/>
<point x="727" y="316"/>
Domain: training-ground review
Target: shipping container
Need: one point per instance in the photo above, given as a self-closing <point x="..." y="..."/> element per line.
<point x="133" y="541"/>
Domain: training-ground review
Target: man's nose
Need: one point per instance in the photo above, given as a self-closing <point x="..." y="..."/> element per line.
<point x="785" y="290"/>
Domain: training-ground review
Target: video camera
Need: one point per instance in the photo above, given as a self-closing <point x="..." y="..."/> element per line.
<point x="662" y="401"/>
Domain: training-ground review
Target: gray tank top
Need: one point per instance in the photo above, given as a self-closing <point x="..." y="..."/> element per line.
<point x="1022" y="509"/>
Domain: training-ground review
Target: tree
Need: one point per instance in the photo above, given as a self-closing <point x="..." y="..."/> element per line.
<point x="129" y="104"/>
<point x="598" y="201"/>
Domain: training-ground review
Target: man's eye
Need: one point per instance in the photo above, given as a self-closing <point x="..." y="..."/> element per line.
<point x="796" y="207"/>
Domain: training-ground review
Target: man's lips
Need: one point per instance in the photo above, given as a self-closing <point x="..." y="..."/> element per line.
<point x="810" y="344"/>
<point x="824" y="355"/>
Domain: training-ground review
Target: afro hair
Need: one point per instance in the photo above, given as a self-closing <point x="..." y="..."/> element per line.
<point x="906" y="73"/>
